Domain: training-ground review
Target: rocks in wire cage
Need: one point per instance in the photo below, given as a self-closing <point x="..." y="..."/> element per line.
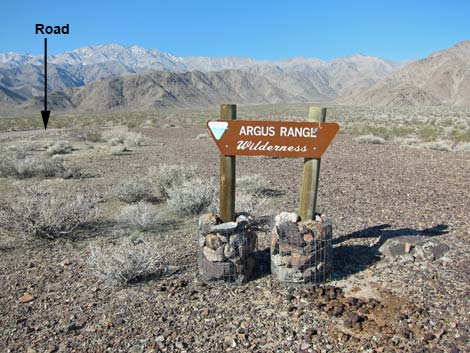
<point x="226" y="249"/>
<point x="301" y="251"/>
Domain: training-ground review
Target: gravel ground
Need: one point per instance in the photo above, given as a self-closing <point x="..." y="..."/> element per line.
<point x="372" y="304"/>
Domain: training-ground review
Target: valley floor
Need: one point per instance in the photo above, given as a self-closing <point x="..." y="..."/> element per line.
<point x="372" y="192"/>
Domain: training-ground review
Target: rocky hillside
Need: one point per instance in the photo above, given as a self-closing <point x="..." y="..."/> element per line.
<point x="443" y="78"/>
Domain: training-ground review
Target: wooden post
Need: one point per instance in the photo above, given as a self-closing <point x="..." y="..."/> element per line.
<point x="311" y="173"/>
<point x="227" y="172"/>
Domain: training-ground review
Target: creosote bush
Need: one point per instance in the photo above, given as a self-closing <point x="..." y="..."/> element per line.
<point x="134" y="189"/>
<point x="142" y="216"/>
<point x="165" y="177"/>
<point x="125" y="263"/>
<point x="47" y="213"/>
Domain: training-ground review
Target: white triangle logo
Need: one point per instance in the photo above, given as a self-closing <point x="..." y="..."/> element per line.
<point x="218" y="128"/>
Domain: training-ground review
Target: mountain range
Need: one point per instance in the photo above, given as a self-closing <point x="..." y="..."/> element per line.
<point x="112" y="76"/>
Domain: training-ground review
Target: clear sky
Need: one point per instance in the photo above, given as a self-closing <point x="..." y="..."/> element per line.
<point x="392" y="29"/>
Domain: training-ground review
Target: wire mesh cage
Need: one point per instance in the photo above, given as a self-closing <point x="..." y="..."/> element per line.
<point x="226" y="250"/>
<point x="301" y="251"/>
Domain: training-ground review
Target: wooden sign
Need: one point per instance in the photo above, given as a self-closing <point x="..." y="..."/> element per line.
<point x="272" y="138"/>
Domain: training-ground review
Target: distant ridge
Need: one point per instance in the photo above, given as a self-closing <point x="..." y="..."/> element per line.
<point x="443" y="78"/>
<point x="21" y="75"/>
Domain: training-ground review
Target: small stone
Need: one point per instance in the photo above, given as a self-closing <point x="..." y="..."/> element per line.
<point x="227" y="227"/>
<point x="308" y="238"/>
<point x="214" y="255"/>
<point x="454" y="349"/>
<point x="428" y="337"/>
<point x="205" y="311"/>
<point x="408" y="247"/>
<point x="304" y="346"/>
<point x="26" y="298"/>
<point x="284" y="217"/>
<point x="242" y="218"/>
<point x="30" y="350"/>
<point x="229" y="251"/>
<point x="212" y="241"/>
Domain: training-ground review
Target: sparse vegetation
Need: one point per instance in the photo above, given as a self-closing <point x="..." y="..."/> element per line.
<point x="125" y="263"/>
<point x="60" y="147"/>
<point x="134" y="189"/>
<point x="123" y="136"/>
<point x="46" y="213"/>
<point x="165" y="177"/>
<point x="142" y="216"/>
<point x="21" y="164"/>
<point x="191" y="197"/>
<point x="375" y="140"/>
<point x="252" y="184"/>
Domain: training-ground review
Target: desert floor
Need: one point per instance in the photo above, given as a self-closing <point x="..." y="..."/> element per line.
<point x="372" y="192"/>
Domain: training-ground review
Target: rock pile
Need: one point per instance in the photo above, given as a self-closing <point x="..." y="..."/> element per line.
<point x="226" y="249"/>
<point x="301" y="251"/>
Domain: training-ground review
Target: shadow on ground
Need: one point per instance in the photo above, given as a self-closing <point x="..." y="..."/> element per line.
<point x="350" y="259"/>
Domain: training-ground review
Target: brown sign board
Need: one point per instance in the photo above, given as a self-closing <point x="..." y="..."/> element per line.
<point x="272" y="138"/>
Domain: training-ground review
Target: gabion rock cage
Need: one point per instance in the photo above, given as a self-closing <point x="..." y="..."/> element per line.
<point x="226" y="249"/>
<point x="301" y="251"/>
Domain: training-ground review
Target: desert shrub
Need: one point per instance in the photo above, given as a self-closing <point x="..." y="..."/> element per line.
<point x="255" y="205"/>
<point x="124" y="263"/>
<point x="165" y="177"/>
<point x="60" y="147"/>
<point x="252" y="184"/>
<point x="117" y="150"/>
<point x="134" y="189"/>
<point x="462" y="147"/>
<point x="22" y="164"/>
<point x="442" y="146"/>
<point x="203" y="136"/>
<point x="46" y="213"/>
<point x="142" y="215"/>
<point x="191" y="197"/>
<point x="88" y="135"/>
<point x="372" y="139"/>
<point x="122" y="135"/>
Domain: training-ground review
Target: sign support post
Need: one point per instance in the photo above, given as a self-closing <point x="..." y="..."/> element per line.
<point x="311" y="173"/>
<point x="227" y="172"/>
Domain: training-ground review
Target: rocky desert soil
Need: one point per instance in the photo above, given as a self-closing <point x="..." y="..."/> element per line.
<point x="413" y="302"/>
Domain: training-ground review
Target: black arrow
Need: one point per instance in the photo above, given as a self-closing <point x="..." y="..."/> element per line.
<point x="45" y="113"/>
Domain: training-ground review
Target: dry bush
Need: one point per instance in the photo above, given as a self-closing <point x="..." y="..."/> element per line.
<point x="252" y="184"/>
<point x="46" y="213"/>
<point x="165" y="177"/>
<point x="134" y="189"/>
<point x="60" y="147"/>
<point x="203" y="136"/>
<point x="87" y="135"/>
<point x="123" y="136"/>
<point x="442" y="146"/>
<point x="370" y="139"/>
<point x="191" y="198"/>
<point x="125" y="263"/>
<point x="255" y="205"/>
<point x="21" y="164"/>
<point x="142" y="216"/>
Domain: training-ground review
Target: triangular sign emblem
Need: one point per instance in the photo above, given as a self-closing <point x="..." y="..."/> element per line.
<point x="218" y="128"/>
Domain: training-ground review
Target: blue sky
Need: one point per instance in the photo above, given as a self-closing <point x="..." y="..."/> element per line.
<point x="393" y="29"/>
